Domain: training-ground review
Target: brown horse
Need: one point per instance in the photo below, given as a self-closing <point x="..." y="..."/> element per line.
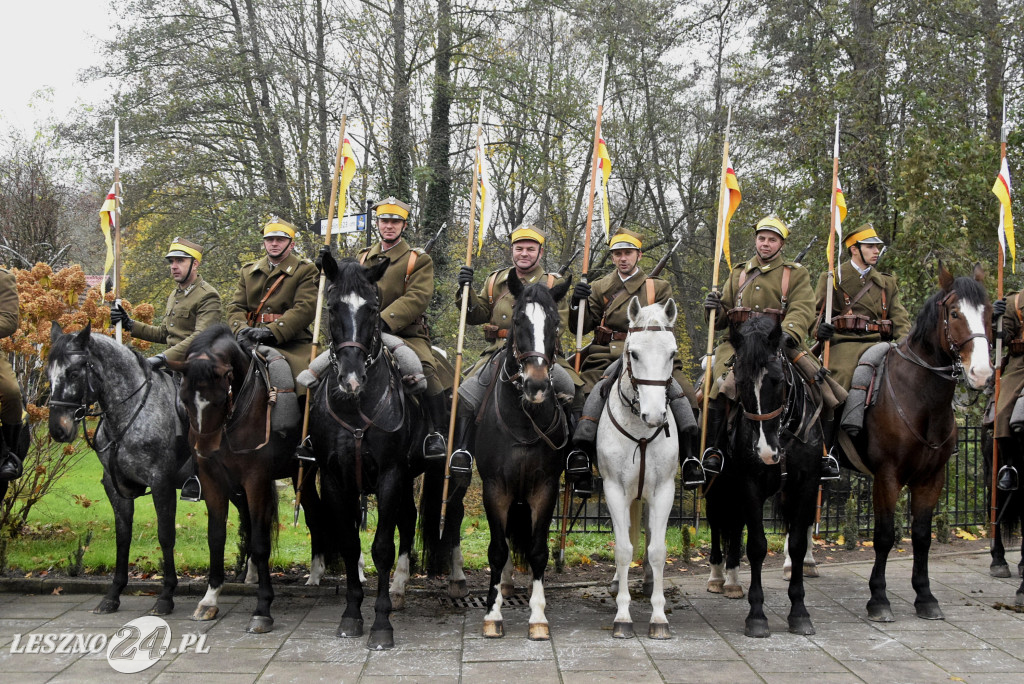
<point x="910" y="432"/>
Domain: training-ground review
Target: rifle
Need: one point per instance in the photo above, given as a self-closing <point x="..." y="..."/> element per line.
<point x="803" y="253"/>
<point x="430" y="243"/>
<point x="660" y="266"/>
<point x="565" y="267"/>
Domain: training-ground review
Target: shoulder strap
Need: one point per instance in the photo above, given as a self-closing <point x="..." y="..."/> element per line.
<point x="856" y="298"/>
<point x="490" y="287"/>
<point x="649" y="285"/>
<point x="551" y="279"/>
<point x="615" y="299"/>
<point x="408" y="269"/>
<point x="786" y="270"/>
<point x="362" y="257"/>
<point x="744" y="281"/>
<point x="252" y="316"/>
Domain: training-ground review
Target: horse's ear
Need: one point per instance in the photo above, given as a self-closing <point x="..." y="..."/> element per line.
<point x="945" y="277"/>
<point x="558" y="291"/>
<point x="671" y="313"/>
<point x="515" y="286"/>
<point x="633" y="311"/>
<point x="979" y="272"/>
<point x="376" y="272"/>
<point x="775" y="336"/>
<point x="55" y="331"/>
<point x="329" y="265"/>
<point x="82" y="337"/>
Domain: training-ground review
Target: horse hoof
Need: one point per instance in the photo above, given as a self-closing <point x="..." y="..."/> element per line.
<point x="458" y="589"/>
<point x="260" y="624"/>
<point x="715" y="586"/>
<point x="397" y="601"/>
<point x="163" y="607"/>
<point x="810" y="570"/>
<point x="622" y="630"/>
<point x="1020" y="600"/>
<point x="929" y="611"/>
<point x="733" y="591"/>
<point x="350" y="627"/>
<point x="787" y="574"/>
<point x="106" y="606"/>
<point x="648" y="589"/>
<point x="507" y="590"/>
<point x="1020" y="569"/>
<point x="205" y="613"/>
<point x="801" y="625"/>
<point x="381" y="639"/>
<point x="659" y="630"/>
<point x="539" y="631"/>
<point x="880" y="614"/>
<point x="494" y="629"/>
<point x="757" y="628"/>
<point x="999" y="570"/>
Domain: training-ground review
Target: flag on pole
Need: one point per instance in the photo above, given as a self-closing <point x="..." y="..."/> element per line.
<point x="348" y="172"/>
<point x="486" y="191"/>
<point x="840" y="213"/>
<point x="604" y="166"/>
<point x="733" y="196"/>
<point x="1006" y="239"/>
<point x="108" y="217"/>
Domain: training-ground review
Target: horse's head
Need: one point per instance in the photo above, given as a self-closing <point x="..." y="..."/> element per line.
<point x="761" y="382"/>
<point x="354" y="306"/>
<point x="956" y="323"/>
<point x="212" y="372"/>
<point x="533" y="335"/>
<point x="649" y="352"/>
<point x="69" y="369"/>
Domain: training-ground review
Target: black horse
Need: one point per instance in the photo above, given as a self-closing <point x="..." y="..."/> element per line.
<point x="367" y="435"/>
<point x="776" y="446"/>
<point x="1009" y="507"/>
<point x="228" y="400"/>
<point x="520" y="440"/>
<point x="140" y="439"/>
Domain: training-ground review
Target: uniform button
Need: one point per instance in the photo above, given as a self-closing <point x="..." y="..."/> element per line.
<point x="503" y="316"/>
<point x="170" y="325"/>
<point x="756" y="307"/>
<point x="757" y="287"/>
<point x="280" y="323"/>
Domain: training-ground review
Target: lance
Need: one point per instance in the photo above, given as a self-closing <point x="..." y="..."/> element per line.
<point x="304" y="451"/>
<point x="116" y="218"/>
<point x="830" y="282"/>
<point x="590" y="213"/>
<point x="723" y="208"/>
<point x="999" y="336"/>
<point x="463" y="310"/>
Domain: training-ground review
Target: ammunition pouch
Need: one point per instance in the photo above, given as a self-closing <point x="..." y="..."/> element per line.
<point x="741" y="314"/>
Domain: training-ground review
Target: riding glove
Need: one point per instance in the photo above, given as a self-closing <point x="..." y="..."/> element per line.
<point x="713" y="302"/>
<point x="579" y="293"/>
<point x="255" y="336"/>
<point x="157" y="362"/>
<point x="119" y="315"/>
<point x="319" y="262"/>
<point x="465" y="278"/>
<point x="998" y="309"/>
<point x="825" y="331"/>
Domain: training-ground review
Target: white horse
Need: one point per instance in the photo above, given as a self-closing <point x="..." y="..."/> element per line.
<point x="638" y="454"/>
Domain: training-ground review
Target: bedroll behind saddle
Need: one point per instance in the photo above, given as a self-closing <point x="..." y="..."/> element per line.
<point x="867" y="379"/>
<point x="409" y="365"/>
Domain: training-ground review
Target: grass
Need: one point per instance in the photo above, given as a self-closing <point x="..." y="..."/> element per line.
<point x="77" y="505"/>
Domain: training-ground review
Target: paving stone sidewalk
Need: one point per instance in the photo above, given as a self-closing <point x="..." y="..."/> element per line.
<point x="975" y="643"/>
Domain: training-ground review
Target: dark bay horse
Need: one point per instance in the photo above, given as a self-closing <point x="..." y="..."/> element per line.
<point x="140" y="439"/>
<point x="775" y="446"/>
<point x="367" y="435"/>
<point x="910" y="433"/>
<point x="227" y="398"/>
<point x="520" y="439"/>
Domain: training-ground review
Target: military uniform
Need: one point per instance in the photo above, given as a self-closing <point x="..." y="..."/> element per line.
<point x="287" y="312"/>
<point x="1011" y="380"/>
<point x="860" y="329"/>
<point x="189" y="311"/>
<point x="11" y="408"/>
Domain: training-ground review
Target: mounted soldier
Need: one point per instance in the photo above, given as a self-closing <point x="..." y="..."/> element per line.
<point x="607" y="315"/>
<point x="866" y="310"/>
<point x="11" y="408"/>
<point x="405" y="290"/>
<point x="766" y="285"/>
<point x="491" y="307"/>
<point x="192" y="306"/>
<point x="1009" y="413"/>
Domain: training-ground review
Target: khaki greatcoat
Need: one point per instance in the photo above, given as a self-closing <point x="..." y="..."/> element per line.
<point x="10" y="393"/>
<point x="189" y="312"/>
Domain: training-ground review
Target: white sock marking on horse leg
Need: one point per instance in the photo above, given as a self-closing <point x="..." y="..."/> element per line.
<point x="457" y="574"/>
<point x="809" y="556"/>
<point x="252" y="575"/>
<point x="316" y="570"/>
<point x="401" y="575"/>
<point x="506" y="574"/>
<point x="537" y="603"/>
<point x="733" y="577"/>
<point x="717" y="572"/>
<point x="362" y="568"/>
<point x="495" y="612"/>
<point x="210" y="599"/>
<point x="788" y="563"/>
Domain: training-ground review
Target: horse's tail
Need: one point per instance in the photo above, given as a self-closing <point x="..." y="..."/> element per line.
<point x="519" y="530"/>
<point x="437" y="549"/>
<point x="636" y="509"/>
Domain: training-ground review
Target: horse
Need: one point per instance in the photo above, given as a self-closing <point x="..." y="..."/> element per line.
<point x="228" y="400"/>
<point x="140" y="439"/>
<point x="638" y="455"/>
<point x="1009" y="507"/>
<point x="776" y="446"/>
<point x="367" y="436"/>
<point x="522" y="459"/>
<point x="910" y="432"/>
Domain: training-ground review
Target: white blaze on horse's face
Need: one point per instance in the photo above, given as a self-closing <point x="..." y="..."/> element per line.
<point x="768" y="454"/>
<point x="978" y="368"/>
<point x="62" y="421"/>
<point x="352" y="380"/>
<point x="650" y="352"/>
<point x="536" y="381"/>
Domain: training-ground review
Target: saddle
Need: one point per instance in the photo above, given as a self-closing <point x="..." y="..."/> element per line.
<point x="409" y="365"/>
<point x="284" y="403"/>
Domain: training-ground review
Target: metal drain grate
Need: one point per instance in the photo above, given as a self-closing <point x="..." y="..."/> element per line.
<point x="514" y="601"/>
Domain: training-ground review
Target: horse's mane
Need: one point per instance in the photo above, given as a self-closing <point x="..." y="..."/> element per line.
<point x="351" y="277"/>
<point x="759" y="341"/>
<point x="968" y="290"/>
<point x="60" y="348"/>
<point x="540" y="294"/>
<point x="204" y="369"/>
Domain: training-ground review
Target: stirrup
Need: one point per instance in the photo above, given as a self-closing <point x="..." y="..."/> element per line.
<point x="304" y="452"/>
<point x="460" y="467"/>
<point x="1009" y="479"/>
<point x="577" y="464"/>
<point x="712" y="460"/>
<point x="192" y="490"/>
<point x="693" y="473"/>
<point x="434" y="446"/>
<point x="829" y="466"/>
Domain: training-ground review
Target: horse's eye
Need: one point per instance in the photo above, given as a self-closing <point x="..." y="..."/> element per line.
<point x="633" y="355"/>
<point x="955" y="314"/>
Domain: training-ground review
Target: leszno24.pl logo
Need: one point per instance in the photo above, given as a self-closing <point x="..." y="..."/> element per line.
<point x="132" y="648"/>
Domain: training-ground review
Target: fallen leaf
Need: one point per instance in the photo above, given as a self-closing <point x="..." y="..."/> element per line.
<point x="58" y="591"/>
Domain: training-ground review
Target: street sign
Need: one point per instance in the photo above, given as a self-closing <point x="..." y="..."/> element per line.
<point x="353" y="223"/>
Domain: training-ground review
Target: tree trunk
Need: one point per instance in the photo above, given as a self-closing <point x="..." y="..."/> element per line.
<point x="399" y="175"/>
<point x="438" y="205"/>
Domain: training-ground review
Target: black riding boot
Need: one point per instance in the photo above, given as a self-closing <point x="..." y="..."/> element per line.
<point x="437" y="413"/>
<point x="829" y="462"/>
<point x="1008" y="479"/>
<point x="712" y="459"/>
<point x="10" y="463"/>
<point x="460" y="466"/>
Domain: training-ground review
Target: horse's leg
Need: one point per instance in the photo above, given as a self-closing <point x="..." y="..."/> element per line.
<point x="923" y="499"/>
<point x="658" y="508"/>
<point x="124" y="514"/>
<point x="734" y="543"/>
<point x="165" y="501"/>
<point x="406" y="536"/>
<point x="389" y="509"/>
<point x="508" y="586"/>
<point x="456" y="576"/>
<point x="619" y="509"/>
<point x="542" y="507"/>
<point x="799" y="504"/>
<point x="886" y="490"/>
<point x="348" y="530"/>
<point x="715" y="559"/>
<point x="497" y="556"/>
<point x="263" y="509"/>
<point x="757" y="548"/>
<point x="313" y="511"/>
<point x="214" y="493"/>
<point x="810" y="565"/>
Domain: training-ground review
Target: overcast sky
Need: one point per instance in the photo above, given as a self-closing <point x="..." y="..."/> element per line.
<point x="46" y="44"/>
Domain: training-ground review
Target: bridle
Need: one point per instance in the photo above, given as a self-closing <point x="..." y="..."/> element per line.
<point x="953" y="371"/>
<point x="228" y="378"/>
<point x="370" y="353"/>
<point x="783" y="408"/>
<point x="515" y="374"/>
<point x="635" y="382"/>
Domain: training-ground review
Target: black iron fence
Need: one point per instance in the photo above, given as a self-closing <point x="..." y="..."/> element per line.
<point x="964" y="501"/>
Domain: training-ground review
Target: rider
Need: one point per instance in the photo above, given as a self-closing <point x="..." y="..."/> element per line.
<point x="767" y="285"/>
<point x="492" y="307"/>
<point x="10" y="393"/>
<point x="606" y="314"/>
<point x="405" y="290"/>
<point x="1011" y="381"/>
<point x="866" y="310"/>
<point x="192" y="306"/>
